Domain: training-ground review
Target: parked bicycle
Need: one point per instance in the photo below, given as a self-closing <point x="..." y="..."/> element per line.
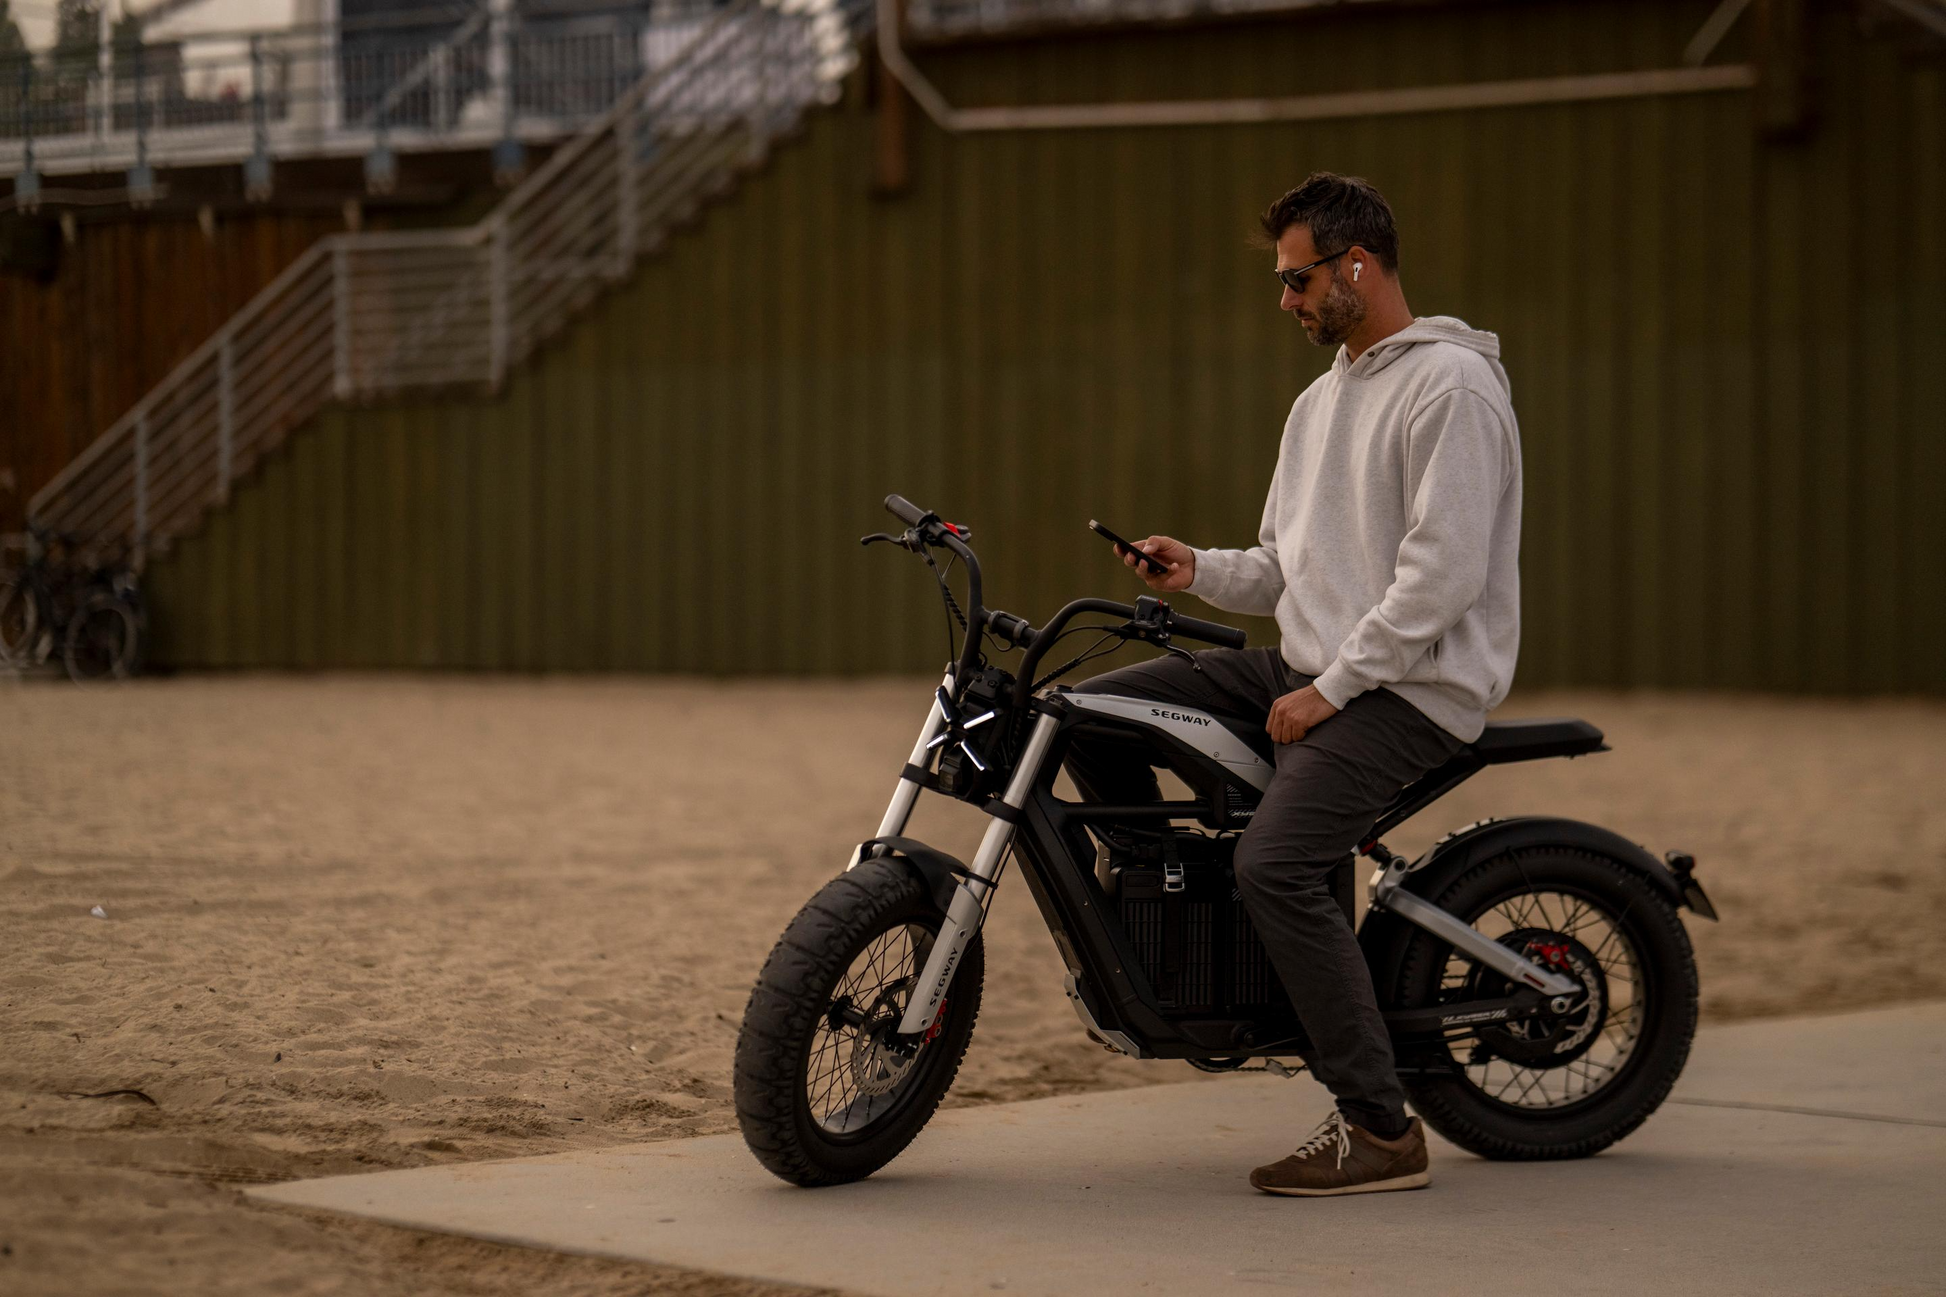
<point x="89" y="608"/>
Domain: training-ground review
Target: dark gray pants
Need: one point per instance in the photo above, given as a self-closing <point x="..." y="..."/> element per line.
<point x="1329" y="788"/>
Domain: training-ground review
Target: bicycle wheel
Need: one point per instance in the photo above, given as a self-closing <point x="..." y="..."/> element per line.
<point x="20" y="624"/>
<point x="102" y="640"/>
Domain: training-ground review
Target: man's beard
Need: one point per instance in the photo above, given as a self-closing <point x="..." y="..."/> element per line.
<point x="1338" y="315"/>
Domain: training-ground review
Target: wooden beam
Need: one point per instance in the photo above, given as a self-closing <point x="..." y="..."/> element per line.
<point x="891" y="152"/>
<point x="1786" y="100"/>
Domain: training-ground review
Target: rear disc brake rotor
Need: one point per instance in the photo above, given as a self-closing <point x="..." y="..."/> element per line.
<point x="1548" y="1039"/>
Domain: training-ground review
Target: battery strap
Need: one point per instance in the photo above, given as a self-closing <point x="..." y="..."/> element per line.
<point x="1173" y="909"/>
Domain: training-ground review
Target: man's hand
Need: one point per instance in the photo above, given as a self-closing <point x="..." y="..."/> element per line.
<point x="1178" y="557"/>
<point x="1297" y="714"/>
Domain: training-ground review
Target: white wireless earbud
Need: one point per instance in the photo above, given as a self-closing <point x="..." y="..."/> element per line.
<point x="1356" y="267"/>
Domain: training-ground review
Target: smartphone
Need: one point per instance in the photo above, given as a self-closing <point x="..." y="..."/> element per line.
<point x="1160" y="569"/>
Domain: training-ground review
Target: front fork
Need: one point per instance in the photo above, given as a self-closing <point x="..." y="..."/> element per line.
<point x="968" y="909"/>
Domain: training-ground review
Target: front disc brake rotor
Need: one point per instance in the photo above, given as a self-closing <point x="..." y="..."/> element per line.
<point x="1548" y="1039"/>
<point x="876" y="1065"/>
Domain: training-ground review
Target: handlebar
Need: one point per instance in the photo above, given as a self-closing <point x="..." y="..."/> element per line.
<point x="1161" y="624"/>
<point x="930" y="529"/>
<point x="1210" y="632"/>
<point x="1010" y="630"/>
<point x="904" y="510"/>
<point x="1152" y="620"/>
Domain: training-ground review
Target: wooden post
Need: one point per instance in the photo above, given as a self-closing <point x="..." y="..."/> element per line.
<point x="341" y="323"/>
<point x="1785" y="101"/>
<point x="891" y="154"/>
<point x="225" y="414"/>
<point x="498" y="325"/>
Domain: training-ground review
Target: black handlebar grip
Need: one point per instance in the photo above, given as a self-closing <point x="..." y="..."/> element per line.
<point x="904" y="510"/>
<point x="1210" y="632"/>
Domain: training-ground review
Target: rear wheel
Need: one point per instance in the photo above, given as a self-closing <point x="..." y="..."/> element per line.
<point x="1569" y="1084"/>
<point x="826" y="1089"/>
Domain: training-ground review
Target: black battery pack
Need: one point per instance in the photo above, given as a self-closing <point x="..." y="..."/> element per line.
<point x="1177" y="898"/>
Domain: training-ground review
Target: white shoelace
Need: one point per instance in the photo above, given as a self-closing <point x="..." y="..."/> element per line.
<point x="1334" y="1129"/>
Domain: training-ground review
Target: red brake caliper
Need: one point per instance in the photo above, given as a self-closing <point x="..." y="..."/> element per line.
<point x="938" y="1022"/>
<point x="1554" y="954"/>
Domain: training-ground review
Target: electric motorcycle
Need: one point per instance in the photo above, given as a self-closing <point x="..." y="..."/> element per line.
<point x="1534" y="973"/>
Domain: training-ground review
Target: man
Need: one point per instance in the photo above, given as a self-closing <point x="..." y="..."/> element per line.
<point x="1388" y="553"/>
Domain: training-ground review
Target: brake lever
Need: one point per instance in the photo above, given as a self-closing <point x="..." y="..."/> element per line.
<point x="1151" y="626"/>
<point x="903" y="542"/>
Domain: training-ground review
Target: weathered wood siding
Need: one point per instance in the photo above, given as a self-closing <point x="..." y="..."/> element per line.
<point x="1725" y="355"/>
<point x="129" y="300"/>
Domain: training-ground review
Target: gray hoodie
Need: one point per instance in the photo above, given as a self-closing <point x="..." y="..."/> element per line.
<point x="1389" y="549"/>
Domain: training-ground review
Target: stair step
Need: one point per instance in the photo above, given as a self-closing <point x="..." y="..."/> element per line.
<point x="424" y="326"/>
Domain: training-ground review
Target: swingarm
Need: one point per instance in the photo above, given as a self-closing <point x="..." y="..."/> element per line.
<point x="1388" y="893"/>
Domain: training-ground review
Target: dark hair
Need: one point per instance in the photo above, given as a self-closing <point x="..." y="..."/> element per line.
<point x="1339" y="211"/>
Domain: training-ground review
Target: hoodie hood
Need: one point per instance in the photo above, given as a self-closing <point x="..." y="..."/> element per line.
<point x="1426" y="329"/>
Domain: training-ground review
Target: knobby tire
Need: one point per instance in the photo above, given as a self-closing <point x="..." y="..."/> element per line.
<point x="1454" y="1107"/>
<point x="793" y="995"/>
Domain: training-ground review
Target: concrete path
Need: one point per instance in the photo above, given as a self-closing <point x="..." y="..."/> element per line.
<point x="1797" y="1156"/>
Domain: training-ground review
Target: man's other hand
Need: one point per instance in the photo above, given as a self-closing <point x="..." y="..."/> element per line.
<point x="1297" y="714"/>
<point x="1173" y="554"/>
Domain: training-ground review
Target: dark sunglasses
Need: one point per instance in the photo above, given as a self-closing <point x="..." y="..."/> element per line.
<point x="1294" y="279"/>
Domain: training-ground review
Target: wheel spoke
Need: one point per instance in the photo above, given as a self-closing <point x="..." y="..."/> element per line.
<point x="846" y="1069"/>
<point x="1597" y="1052"/>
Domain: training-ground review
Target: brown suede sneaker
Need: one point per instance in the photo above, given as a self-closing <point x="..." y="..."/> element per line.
<point x="1343" y="1158"/>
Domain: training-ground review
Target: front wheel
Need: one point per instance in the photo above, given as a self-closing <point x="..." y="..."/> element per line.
<point x="826" y="1091"/>
<point x="1571" y="1084"/>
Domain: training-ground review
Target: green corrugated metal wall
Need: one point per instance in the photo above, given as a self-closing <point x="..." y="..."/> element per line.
<point x="1726" y="357"/>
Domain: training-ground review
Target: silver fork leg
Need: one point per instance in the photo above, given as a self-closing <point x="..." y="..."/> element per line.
<point x="968" y="911"/>
<point x="906" y="794"/>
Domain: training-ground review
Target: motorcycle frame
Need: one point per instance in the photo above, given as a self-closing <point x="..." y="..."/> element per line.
<point x="1112" y="998"/>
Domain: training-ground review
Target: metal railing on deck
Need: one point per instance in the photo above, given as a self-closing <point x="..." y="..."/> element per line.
<point x="369" y="315"/>
<point x="438" y="78"/>
<point x="941" y="19"/>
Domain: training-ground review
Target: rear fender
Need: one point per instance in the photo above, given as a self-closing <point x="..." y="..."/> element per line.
<point x="1384" y="936"/>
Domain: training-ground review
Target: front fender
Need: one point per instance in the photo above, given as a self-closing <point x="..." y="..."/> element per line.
<point x="937" y="870"/>
<point x="1383" y="937"/>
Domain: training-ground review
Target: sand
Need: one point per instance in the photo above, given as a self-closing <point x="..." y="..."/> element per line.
<point x="379" y="922"/>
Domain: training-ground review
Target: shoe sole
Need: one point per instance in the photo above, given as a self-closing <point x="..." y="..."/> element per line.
<point x="1419" y="1181"/>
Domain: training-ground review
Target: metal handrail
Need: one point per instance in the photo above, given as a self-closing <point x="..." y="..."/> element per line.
<point x="442" y="77"/>
<point x="377" y="314"/>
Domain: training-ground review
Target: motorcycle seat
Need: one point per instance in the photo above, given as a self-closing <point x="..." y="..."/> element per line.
<point x="1529" y="740"/>
<point x="1501" y="741"/>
